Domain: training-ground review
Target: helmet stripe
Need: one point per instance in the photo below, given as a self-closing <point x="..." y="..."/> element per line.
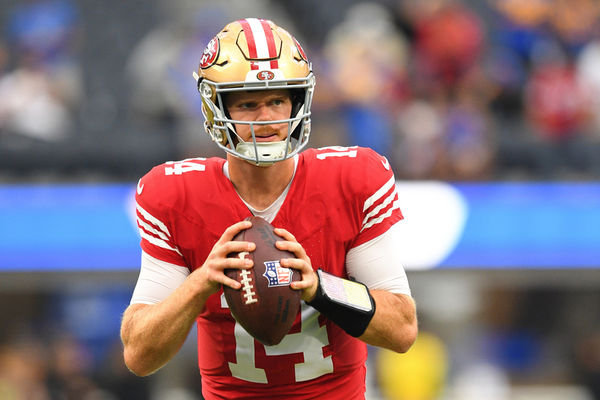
<point x="260" y="40"/>
<point x="250" y="42"/>
<point x="270" y="43"/>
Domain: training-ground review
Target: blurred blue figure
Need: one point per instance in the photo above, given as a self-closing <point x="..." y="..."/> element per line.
<point x="369" y="126"/>
<point x="45" y="29"/>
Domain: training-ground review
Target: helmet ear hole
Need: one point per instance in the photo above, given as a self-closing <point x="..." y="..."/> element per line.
<point x="206" y="91"/>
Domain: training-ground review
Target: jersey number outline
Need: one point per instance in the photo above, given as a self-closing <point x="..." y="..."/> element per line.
<point x="311" y="339"/>
<point x="337" y="151"/>
<point x="187" y="165"/>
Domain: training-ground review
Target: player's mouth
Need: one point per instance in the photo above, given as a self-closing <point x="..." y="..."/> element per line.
<point x="267" y="138"/>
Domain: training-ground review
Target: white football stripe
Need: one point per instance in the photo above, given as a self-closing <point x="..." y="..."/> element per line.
<point x="260" y="40"/>
<point x="153" y="220"/>
<point x="150" y="228"/>
<point x="379" y="193"/>
<point x="395" y="205"/>
<point x="376" y="210"/>
<point x="157" y="242"/>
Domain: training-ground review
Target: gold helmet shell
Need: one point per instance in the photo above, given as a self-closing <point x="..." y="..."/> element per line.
<point x="255" y="54"/>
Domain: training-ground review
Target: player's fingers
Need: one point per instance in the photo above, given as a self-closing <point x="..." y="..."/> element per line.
<point x="218" y="263"/>
<point x="236" y="262"/>
<point x="214" y="276"/>
<point x="233" y="230"/>
<point x="223" y="279"/>
<point x="293" y="247"/>
<point x="285" y="234"/>
<point x="309" y="282"/>
<point x="232" y="283"/>
<point x="300" y="265"/>
<point x="236" y="247"/>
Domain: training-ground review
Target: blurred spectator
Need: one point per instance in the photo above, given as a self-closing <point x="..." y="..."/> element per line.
<point x="420" y="141"/>
<point x="447" y="45"/>
<point x="575" y="21"/>
<point x="366" y="59"/>
<point x="519" y="25"/>
<point x="33" y="104"/>
<point x="557" y="106"/>
<point x="555" y="101"/>
<point x="70" y="375"/>
<point x="469" y="147"/>
<point x="38" y="97"/>
<point x="23" y="370"/>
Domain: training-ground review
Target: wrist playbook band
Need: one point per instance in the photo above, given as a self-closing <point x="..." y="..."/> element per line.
<point x="347" y="303"/>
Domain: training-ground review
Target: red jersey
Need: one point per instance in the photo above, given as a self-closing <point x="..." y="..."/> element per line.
<point x="339" y="198"/>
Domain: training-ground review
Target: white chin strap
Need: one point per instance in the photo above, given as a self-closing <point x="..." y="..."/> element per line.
<point x="268" y="152"/>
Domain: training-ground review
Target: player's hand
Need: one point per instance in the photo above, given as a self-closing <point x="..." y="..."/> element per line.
<point x="310" y="281"/>
<point x="212" y="273"/>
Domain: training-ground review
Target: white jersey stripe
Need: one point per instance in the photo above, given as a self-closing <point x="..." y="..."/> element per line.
<point x="395" y="205"/>
<point x="157" y="242"/>
<point x="388" y="200"/>
<point x="150" y="228"/>
<point x="260" y="40"/>
<point x="379" y="193"/>
<point x="153" y="220"/>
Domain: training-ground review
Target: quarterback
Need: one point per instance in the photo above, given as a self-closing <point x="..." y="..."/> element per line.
<point x="336" y="209"/>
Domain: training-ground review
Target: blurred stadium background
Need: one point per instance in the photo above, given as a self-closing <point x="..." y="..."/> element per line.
<point x="489" y="112"/>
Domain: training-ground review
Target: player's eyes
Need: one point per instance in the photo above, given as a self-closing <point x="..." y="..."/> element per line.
<point x="246" y="106"/>
<point x="279" y="102"/>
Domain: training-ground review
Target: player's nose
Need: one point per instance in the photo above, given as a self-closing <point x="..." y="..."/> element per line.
<point x="264" y="113"/>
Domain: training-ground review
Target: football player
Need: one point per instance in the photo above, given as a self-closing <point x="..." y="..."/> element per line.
<point x="336" y="209"/>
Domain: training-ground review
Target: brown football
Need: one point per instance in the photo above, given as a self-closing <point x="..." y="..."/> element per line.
<point x="266" y="305"/>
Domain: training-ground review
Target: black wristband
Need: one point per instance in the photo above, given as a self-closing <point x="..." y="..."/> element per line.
<point x="347" y="303"/>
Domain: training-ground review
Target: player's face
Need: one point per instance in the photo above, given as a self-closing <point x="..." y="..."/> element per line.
<point x="263" y="105"/>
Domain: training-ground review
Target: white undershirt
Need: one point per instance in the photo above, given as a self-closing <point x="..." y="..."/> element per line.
<point x="375" y="263"/>
<point x="270" y="212"/>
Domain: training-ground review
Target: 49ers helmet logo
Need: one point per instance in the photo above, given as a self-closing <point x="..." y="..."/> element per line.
<point x="265" y="75"/>
<point x="209" y="56"/>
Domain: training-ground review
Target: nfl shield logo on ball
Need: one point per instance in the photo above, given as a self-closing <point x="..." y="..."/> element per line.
<point x="276" y="274"/>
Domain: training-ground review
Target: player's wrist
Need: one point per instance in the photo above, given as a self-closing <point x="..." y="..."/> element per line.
<point x="311" y="292"/>
<point x="200" y="287"/>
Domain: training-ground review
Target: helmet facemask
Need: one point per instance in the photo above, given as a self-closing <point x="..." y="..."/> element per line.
<point x="223" y="132"/>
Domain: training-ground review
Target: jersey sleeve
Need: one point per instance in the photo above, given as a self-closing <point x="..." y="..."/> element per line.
<point x="154" y="198"/>
<point x="377" y="263"/>
<point x="376" y="194"/>
<point x="157" y="280"/>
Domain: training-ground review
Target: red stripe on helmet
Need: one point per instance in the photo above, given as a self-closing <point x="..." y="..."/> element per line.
<point x="270" y="43"/>
<point x="249" y="38"/>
